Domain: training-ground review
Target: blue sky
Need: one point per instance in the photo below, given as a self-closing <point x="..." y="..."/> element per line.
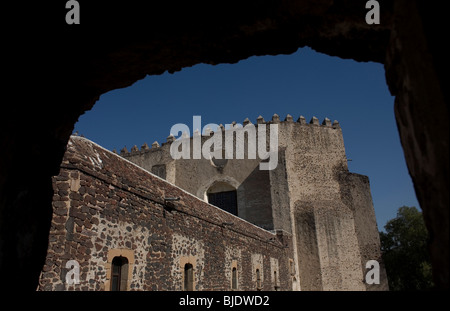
<point x="304" y="83"/>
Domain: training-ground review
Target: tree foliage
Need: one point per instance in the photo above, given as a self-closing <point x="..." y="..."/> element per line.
<point x="405" y="253"/>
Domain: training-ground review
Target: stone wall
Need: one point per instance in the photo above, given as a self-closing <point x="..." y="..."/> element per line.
<point x="105" y="206"/>
<point x="196" y="176"/>
<point x="356" y="195"/>
<point x="262" y="195"/>
<point x="332" y="212"/>
<point x="310" y="194"/>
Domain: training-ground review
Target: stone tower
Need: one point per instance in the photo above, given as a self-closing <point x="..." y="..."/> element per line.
<point x="310" y="194"/>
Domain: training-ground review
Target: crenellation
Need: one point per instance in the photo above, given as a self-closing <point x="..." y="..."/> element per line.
<point x="301" y="120"/>
<point x="260" y="120"/>
<point x="336" y="124"/>
<point x="326" y="122"/>
<point x="134" y="149"/>
<point x="289" y="118"/>
<point x="170" y="138"/>
<point x="123" y="151"/>
<point x="314" y="121"/>
<point x="275" y="118"/>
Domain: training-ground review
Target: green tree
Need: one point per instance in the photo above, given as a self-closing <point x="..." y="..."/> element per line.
<point x="405" y="253"/>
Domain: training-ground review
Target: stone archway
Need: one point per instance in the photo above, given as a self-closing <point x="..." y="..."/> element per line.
<point x="202" y="191"/>
<point x="56" y="72"/>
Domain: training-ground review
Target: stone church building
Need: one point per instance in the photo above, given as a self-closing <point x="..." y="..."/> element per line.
<point x="143" y="220"/>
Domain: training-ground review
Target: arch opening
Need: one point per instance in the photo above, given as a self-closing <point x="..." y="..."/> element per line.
<point x="119" y="273"/>
<point x="224" y="196"/>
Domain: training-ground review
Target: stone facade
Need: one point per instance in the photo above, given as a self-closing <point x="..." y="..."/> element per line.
<point x="105" y="206"/>
<point x="308" y="224"/>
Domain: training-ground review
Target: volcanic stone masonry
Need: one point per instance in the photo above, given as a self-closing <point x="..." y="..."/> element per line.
<point x="309" y="224"/>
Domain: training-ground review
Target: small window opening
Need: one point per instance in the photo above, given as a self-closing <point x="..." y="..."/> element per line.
<point x="276" y="286"/>
<point x="119" y="273"/>
<point x="258" y="280"/>
<point x="234" y="278"/>
<point x="223" y="196"/>
<point x="159" y="170"/>
<point x="188" y="277"/>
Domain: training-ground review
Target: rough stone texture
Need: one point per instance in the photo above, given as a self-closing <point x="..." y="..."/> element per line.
<point x="55" y="72"/>
<point x="103" y="204"/>
<point x="196" y="176"/>
<point x="414" y="65"/>
<point x="311" y="195"/>
<point x="359" y="201"/>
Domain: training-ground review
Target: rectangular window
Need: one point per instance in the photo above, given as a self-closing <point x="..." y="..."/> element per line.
<point x="159" y="170"/>
<point x="225" y="200"/>
<point x="188" y="277"/>
<point x="234" y="278"/>
<point x="119" y="273"/>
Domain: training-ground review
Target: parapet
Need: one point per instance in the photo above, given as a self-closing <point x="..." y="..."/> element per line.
<point x="301" y="121"/>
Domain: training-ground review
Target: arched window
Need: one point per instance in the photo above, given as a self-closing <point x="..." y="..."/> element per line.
<point x="276" y="287"/>
<point x="234" y="278"/>
<point x="188" y="277"/>
<point x="119" y="273"/>
<point x="258" y="280"/>
<point x="224" y="196"/>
